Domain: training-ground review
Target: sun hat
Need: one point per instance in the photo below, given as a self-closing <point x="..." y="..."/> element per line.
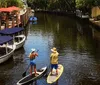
<point x="32" y="49"/>
<point x="54" y="49"/>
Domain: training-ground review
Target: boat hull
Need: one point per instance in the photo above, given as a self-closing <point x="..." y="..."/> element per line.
<point x="20" y="43"/>
<point x="5" y="57"/>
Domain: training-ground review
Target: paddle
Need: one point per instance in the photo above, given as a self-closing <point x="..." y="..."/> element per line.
<point x="48" y="70"/>
<point x="24" y="73"/>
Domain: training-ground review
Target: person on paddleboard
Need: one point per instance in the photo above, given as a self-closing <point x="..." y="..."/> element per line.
<point x="32" y="57"/>
<point x="54" y="60"/>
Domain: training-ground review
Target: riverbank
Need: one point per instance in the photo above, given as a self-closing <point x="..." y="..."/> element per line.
<point x="64" y="13"/>
<point x="73" y="15"/>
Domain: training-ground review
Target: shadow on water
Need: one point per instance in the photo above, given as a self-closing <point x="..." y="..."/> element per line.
<point x="4" y="70"/>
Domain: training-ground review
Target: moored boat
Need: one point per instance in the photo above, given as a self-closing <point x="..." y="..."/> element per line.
<point x="6" y="50"/>
<point x="82" y="16"/>
<point x="32" y="19"/>
<point x="29" y="78"/>
<point x="19" y="41"/>
<point x="18" y="37"/>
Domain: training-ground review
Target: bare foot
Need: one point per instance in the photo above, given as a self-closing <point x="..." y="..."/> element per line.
<point x="36" y="74"/>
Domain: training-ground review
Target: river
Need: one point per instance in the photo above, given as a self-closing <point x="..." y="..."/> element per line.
<point x="78" y="45"/>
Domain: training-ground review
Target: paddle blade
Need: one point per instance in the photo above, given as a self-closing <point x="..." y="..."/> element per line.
<point x="45" y="75"/>
<point x="24" y="74"/>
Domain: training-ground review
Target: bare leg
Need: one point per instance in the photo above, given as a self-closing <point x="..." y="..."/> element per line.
<point x="56" y="71"/>
<point x="35" y="70"/>
<point x="51" y="71"/>
<point x="31" y="70"/>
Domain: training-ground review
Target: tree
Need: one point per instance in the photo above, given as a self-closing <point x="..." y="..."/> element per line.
<point x="3" y="3"/>
<point x="85" y="3"/>
<point x="18" y="3"/>
<point x="7" y="3"/>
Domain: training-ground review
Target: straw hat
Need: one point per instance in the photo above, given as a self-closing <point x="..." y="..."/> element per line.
<point x="54" y="49"/>
<point x="32" y="49"/>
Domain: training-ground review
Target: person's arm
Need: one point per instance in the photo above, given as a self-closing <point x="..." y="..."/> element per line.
<point x="57" y="53"/>
<point x="36" y="54"/>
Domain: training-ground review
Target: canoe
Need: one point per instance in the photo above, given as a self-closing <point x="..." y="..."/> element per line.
<point x="30" y="78"/>
<point x="53" y="78"/>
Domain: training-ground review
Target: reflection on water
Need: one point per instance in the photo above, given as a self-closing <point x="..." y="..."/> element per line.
<point x="4" y="71"/>
<point x="76" y="42"/>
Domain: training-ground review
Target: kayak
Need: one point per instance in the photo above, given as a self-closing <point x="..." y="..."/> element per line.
<point x="30" y="78"/>
<point x="53" y="78"/>
<point x="33" y="18"/>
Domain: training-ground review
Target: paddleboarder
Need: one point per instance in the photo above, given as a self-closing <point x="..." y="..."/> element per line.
<point x="54" y="60"/>
<point x="32" y="57"/>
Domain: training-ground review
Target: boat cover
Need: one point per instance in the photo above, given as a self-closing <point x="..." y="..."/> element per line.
<point x="10" y="31"/>
<point x="5" y="39"/>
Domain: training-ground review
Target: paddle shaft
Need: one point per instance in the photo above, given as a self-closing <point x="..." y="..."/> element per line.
<point x="24" y="73"/>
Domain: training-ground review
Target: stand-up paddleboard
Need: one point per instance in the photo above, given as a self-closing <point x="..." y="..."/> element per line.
<point x="29" y="78"/>
<point x="53" y="78"/>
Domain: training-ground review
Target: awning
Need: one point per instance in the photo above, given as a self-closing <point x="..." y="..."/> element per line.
<point x="5" y="39"/>
<point x="10" y="31"/>
<point x="14" y="8"/>
<point x="9" y="9"/>
<point x="5" y="10"/>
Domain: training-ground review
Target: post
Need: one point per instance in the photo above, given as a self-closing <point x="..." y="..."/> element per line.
<point x="13" y="24"/>
<point x="7" y="23"/>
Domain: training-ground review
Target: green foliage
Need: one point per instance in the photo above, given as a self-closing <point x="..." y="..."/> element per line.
<point x="63" y="4"/>
<point x="80" y="3"/>
<point x="41" y="4"/>
<point x="30" y="1"/>
<point x="3" y="3"/>
<point x="85" y="3"/>
<point x="7" y="3"/>
<point x="15" y="3"/>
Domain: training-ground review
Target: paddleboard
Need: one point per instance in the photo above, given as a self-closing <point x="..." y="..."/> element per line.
<point x="29" y="78"/>
<point x="53" y="78"/>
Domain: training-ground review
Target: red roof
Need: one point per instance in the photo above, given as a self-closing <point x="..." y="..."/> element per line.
<point x="5" y="10"/>
<point x="14" y="8"/>
<point x="9" y="9"/>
